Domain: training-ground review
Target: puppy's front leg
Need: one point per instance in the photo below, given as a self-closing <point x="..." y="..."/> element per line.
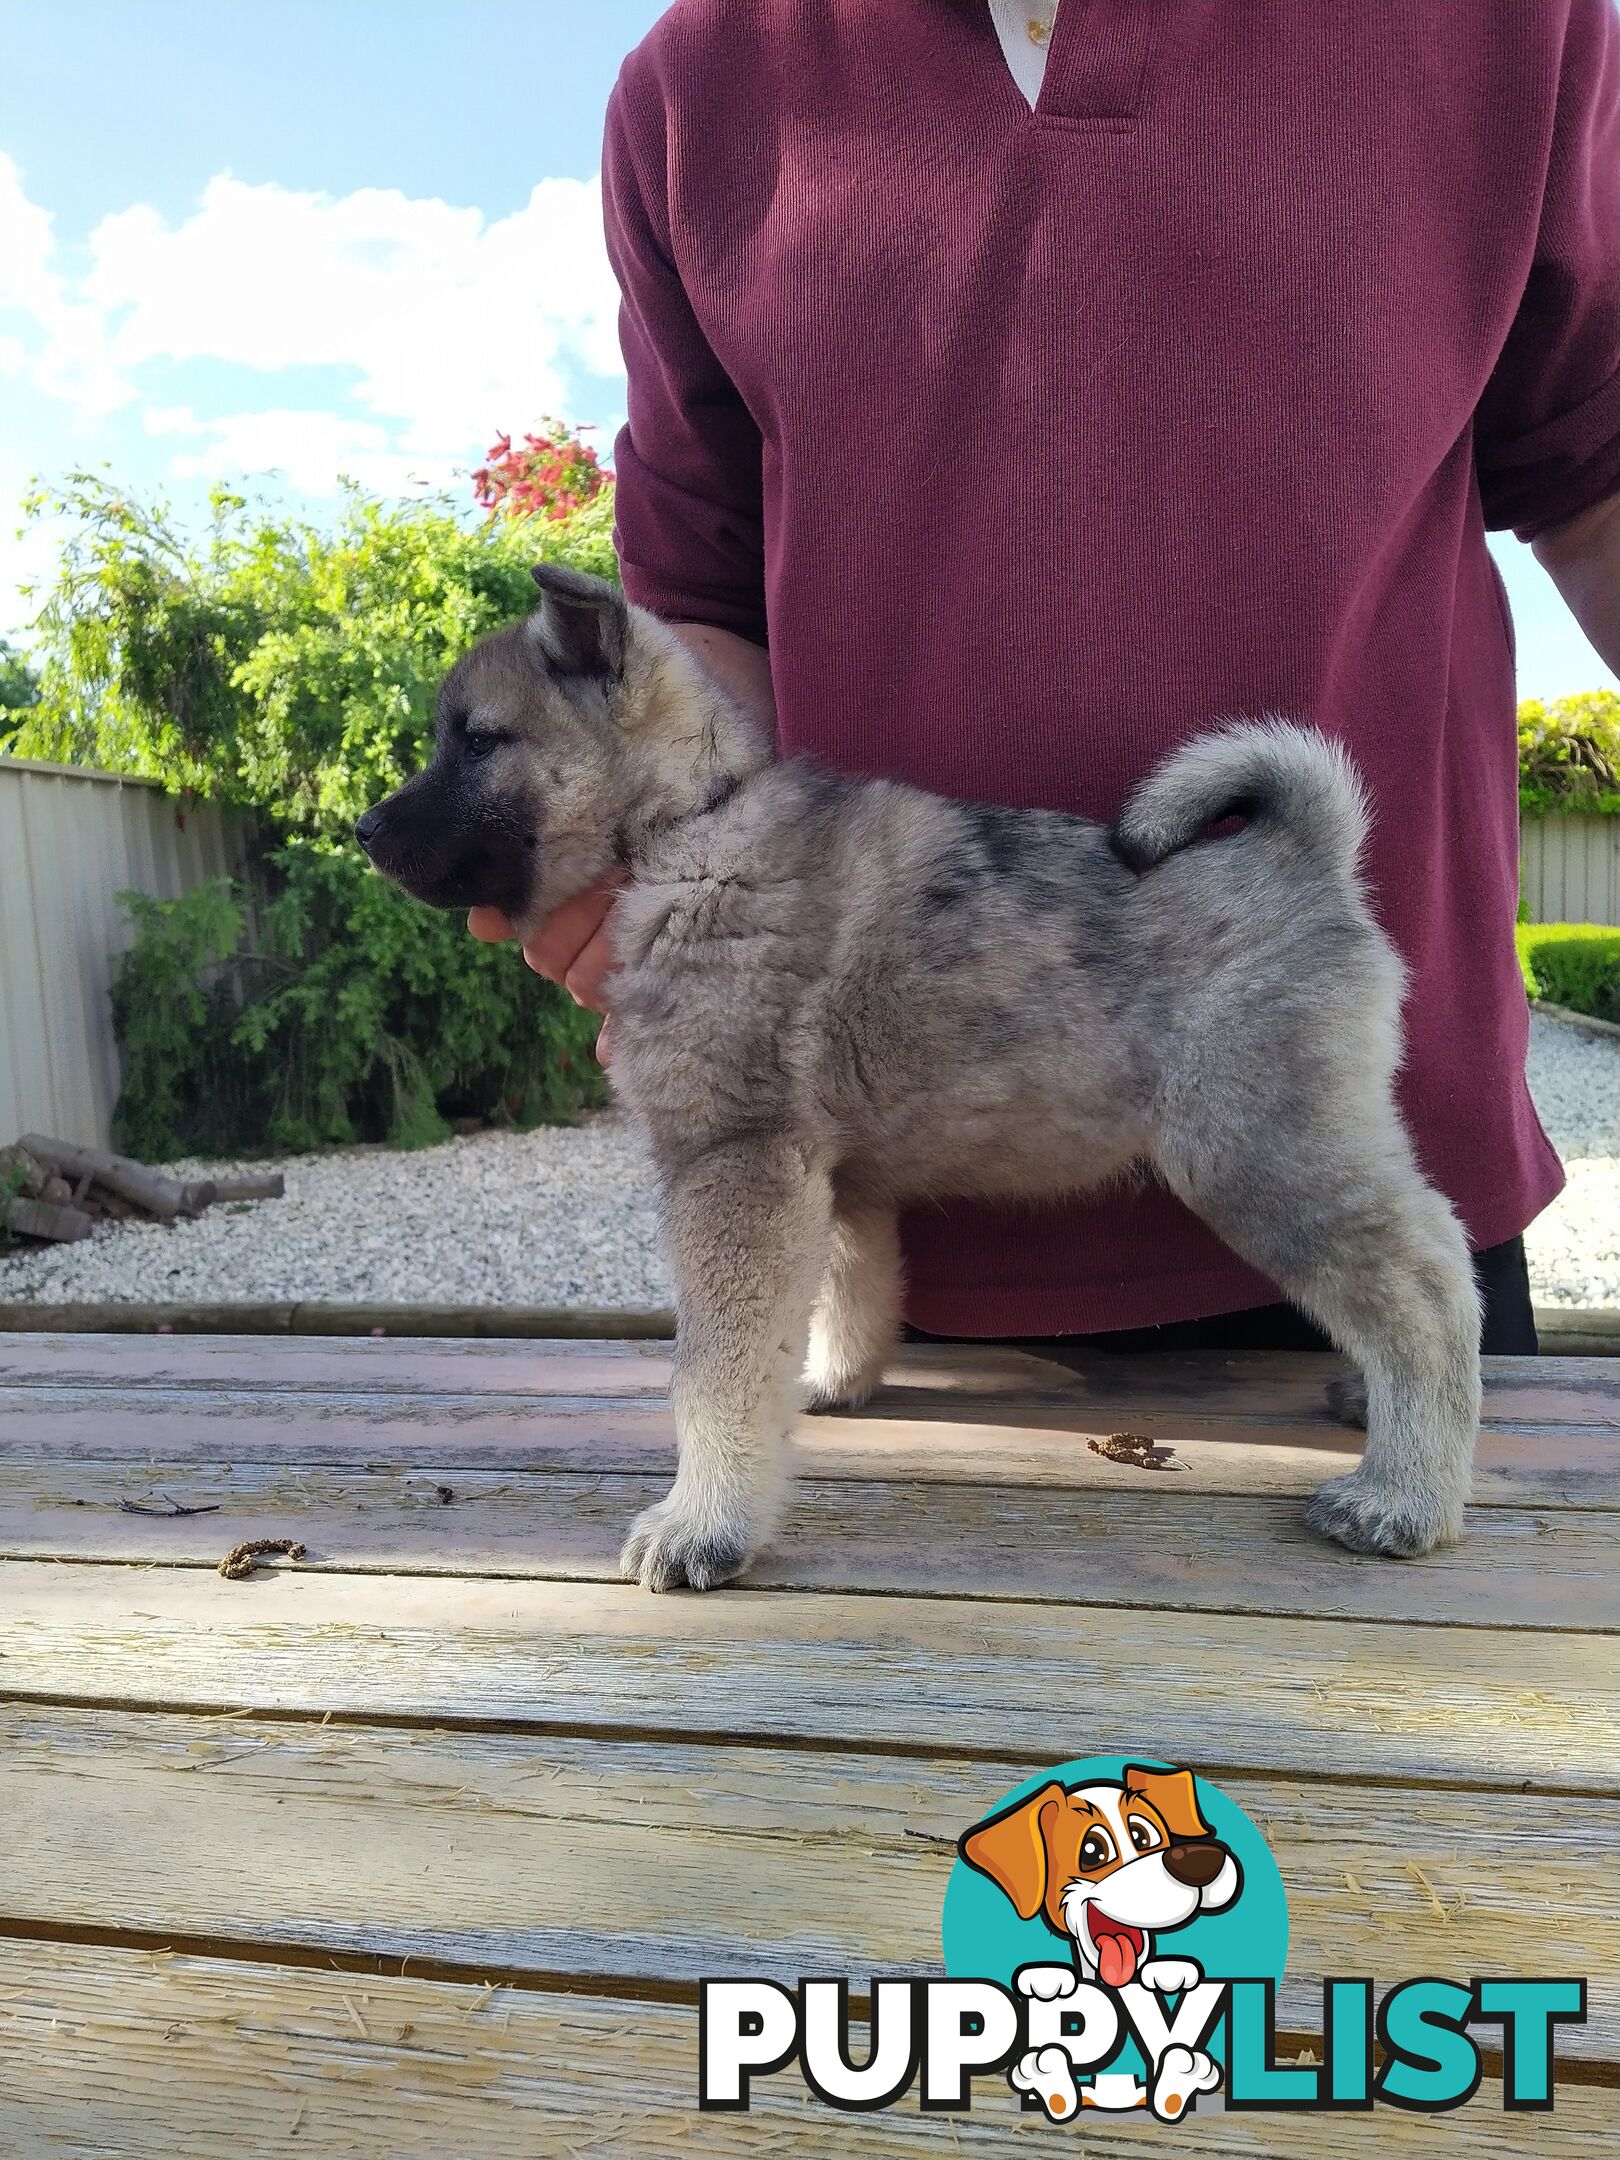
<point x="747" y="1225"/>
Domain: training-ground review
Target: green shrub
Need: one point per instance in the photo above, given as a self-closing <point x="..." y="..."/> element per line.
<point x="273" y="664"/>
<point x="294" y="671"/>
<point x="339" y="1010"/>
<point x="1576" y="965"/>
<point x="1569" y="754"/>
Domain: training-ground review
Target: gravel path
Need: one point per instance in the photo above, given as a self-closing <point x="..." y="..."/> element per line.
<point x="565" y="1216"/>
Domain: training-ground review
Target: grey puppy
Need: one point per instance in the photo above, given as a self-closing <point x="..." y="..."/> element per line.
<point x="837" y="997"/>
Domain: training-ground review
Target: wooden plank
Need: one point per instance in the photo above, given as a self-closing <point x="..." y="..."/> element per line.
<point x="114" y="2051"/>
<point x="352" y="1364"/>
<point x="1158" y="1546"/>
<point x="1028" y="1443"/>
<point x="663" y="1862"/>
<point x="922" y="1378"/>
<point x="1026" y="1683"/>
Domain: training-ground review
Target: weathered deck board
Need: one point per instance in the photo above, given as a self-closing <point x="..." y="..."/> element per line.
<point x="1153" y="1543"/>
<point x="1032" y="1683"/>
<point x="1203" y="1385"/>
<point x="664" y="1861"/>
<point x="113" y="2052"/>
<point x="1023" y="1442"/>
<point x="450" y="1736"/>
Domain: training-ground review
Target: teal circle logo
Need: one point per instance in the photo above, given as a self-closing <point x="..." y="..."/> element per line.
<point x="1116" y="1873"/>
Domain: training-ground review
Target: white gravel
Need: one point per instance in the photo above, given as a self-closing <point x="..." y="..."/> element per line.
<point x="560" y="1216"/>
<point x="1574" y="1248"/>
<point x="565" y="1217"/>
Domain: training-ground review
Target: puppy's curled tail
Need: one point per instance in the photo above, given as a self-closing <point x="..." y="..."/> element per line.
<point x="1290" y="782"/>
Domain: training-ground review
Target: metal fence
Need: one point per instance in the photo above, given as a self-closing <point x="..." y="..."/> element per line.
<point x="71" y="840"/>
<point x="1571" y="868"/>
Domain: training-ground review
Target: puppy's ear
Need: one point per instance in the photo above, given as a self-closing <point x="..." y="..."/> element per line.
<point x="1174" y="1794"/>
<point x="582" y="625"/>
<point x="1011" y="1849"/>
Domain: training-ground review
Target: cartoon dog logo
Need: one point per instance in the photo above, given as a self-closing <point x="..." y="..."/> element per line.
<point x="1110" y="1867"/>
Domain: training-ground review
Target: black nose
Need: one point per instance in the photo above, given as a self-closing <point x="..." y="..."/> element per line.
<point x="365" y="827"/>
<point x="1195" y="1865"/>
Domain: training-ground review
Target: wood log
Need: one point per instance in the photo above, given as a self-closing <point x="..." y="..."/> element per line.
<point x="57" y="1192"/>
<point x="149" y="1189"/>
<point x="199" y="1194"/>
<point x="36" y="1218"/>
<point x="265" y="1185"/>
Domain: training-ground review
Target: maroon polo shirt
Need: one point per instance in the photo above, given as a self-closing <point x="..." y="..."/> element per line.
<point x="1035" y="443"/>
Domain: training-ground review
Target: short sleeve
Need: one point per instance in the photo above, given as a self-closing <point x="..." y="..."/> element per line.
<point x="1548" y="428"/>
<point x="687" y="463"/>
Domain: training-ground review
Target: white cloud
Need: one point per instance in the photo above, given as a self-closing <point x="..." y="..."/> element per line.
<point x="449" y="326"/>
<point x="65" y="354"/>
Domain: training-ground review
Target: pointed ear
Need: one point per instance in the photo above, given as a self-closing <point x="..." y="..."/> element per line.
<point x="1011" y="1849"/>
<point x="582" y="625"/>
<point x="1174" y="1794"/>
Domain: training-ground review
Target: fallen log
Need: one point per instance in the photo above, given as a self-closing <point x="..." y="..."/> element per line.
<point x="149" y="1189"/>
<point x="266" y="1185"/>
<point x="37" y="1218"/>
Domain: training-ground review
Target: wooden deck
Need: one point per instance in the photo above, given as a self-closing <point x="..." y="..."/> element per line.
<point x="420" y="1845"/>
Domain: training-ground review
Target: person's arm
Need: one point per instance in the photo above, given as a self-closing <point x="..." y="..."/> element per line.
<point x="1547" y="430"/>
<point x="1582" y="557"/>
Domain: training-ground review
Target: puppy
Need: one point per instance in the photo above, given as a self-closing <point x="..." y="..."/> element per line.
<point x="1109" y="1867"/>
<point x="838" y="997"/>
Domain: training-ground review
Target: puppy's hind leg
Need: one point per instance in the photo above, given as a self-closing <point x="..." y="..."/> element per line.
<point x="857" y="1315"/>
<point x="1341" y="1220"/>
<point x="746" y="1225"/>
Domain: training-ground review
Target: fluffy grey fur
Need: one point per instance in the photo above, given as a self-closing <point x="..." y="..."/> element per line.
<point x="837" y="997"/>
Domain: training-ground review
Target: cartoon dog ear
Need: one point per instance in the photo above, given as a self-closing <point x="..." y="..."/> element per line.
<point x="582" y="624"/>
<point x="1011" y="1849"/>
<point x="1174" y="1794"/>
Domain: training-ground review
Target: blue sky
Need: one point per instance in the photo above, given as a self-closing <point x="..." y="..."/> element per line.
<point x="328" y="236"/>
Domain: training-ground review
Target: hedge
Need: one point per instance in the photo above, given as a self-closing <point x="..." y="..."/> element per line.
<point x="1576" y="965"/>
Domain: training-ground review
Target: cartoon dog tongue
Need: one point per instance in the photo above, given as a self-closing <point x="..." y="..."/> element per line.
<point x="1118" y="1947"/>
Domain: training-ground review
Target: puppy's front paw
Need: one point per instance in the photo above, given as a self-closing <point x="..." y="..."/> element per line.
<point x="1400" y="1521"/>
<point x="1049" y="2075"/>
<point x="1046" y="1983"/>
<point x="1170" y="1975"/>
<point x="1180" y="2074"/>
<point x="679" y="1542"/>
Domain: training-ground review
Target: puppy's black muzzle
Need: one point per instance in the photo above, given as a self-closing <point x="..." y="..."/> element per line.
<point x="421" y="838"/>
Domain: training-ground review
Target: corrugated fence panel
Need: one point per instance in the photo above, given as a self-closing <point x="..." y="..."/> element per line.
<point x="1571" y="868"/>
<point x="70" y="842"/>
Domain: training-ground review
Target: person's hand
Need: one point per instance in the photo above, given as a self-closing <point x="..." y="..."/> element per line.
<point x="571" y="946"/>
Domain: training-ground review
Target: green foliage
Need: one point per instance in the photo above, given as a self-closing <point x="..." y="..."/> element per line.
<point x="1576" y="965"/>
<point x="19" y="686"/>
<point x="13" y="1176"/>
<point x="271" y="663"/>
<point x="294" y="671"/>
<point x="1569" y="754"/>
<point x="336" y="1011"/>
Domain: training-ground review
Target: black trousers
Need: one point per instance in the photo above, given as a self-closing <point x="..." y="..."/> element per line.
<point x="1508" y="1328"/>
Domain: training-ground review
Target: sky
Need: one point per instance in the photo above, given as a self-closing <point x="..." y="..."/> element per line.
<point x="306" y="238"/>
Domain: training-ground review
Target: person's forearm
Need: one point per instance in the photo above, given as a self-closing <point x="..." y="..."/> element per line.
<point x="1582" y="557"/>
<point x="741" y="668"/>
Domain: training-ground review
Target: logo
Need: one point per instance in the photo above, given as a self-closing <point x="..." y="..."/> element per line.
<point x="1115" y="1932"/>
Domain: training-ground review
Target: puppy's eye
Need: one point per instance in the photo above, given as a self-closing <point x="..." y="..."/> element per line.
<point x="1144" y="1835"/>
<point x="481" y="741"/>
<point x="1096" y="1849"/>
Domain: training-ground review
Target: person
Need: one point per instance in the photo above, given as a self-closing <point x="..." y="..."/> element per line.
<point x="1013" y="395"/>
